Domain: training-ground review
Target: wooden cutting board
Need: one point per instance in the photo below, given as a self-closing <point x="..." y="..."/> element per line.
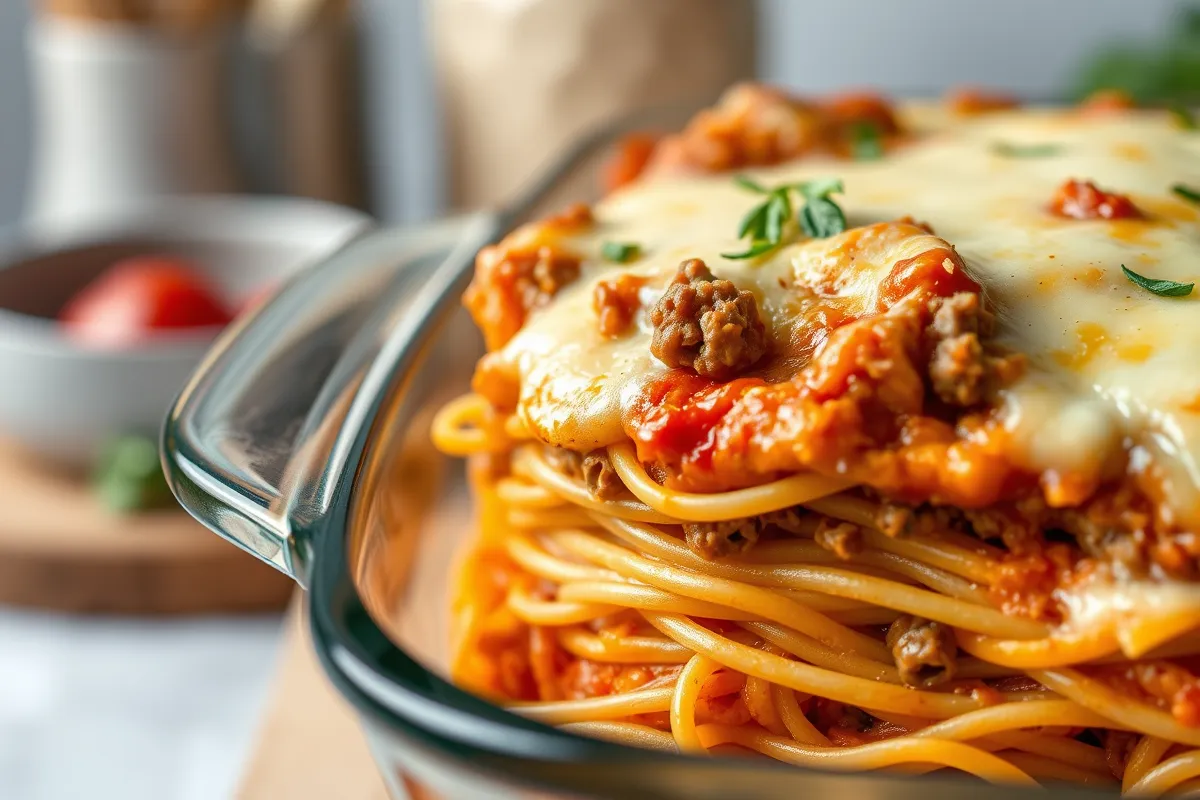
<point x="60" y="549"/>
<point x="310" y="746"/>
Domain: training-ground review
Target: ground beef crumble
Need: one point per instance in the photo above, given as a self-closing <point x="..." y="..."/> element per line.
<point x="757" y="125"/>
<point x="594" y="469"/>
<point x="601" y="479"/>
<point x="1115" y="532"/>
<point x="795" y="520"/>
<point x="568" y="462"/>
<point x="509" y="283"/>
<point x="924" y="650"/>
<point x="961" y="371"/>
<point x="713" y="540"/>
<point x="523" y="272"/>
<point x="843" y="539"/>
<point x="615" y="302"/>
<point x="706" y="324"/>
<point x="896" y="520"/>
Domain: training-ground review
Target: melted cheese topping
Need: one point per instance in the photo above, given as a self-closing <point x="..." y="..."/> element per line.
<point x="1112" y="378"/>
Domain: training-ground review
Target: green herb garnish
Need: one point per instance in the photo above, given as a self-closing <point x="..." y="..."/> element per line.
<point x="1183" y="116"/>
<point x="821" y="217"/>
<point x="865" y="142"/>
<point x="749" y="183"/>
<point x="1186" y="192"/>
<point x="1158" y="287"/>
<point x="764" y="224"/>
<point x="1010" y="150"/>
<point x="620" y="252"/>
<point x="129" y="475"/>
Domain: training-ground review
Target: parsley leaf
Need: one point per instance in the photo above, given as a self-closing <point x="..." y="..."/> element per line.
<point x="865" y="142"/>
<point x="821" y="217"/>
<point x="1010" y="150"/>
<point x="747" y="182"/>
<point x="620" y="252"/>
<point x="1159" y="287"/>
<point x="1187" y="192"/>
<point x="757" y="248"/>
<point x="755" y="221"/>
<point x="822" y="187"/>
<point x="1183" y="117"/>
<point x="779" y="208"/>
<point x="764" y="223"/>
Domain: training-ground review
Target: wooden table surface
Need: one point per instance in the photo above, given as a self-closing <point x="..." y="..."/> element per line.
<point x="310" y="746"/>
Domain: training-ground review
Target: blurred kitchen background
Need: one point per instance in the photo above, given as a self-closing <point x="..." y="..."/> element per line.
<point x="116" y="681"/>
<point x="1029" y="47"/>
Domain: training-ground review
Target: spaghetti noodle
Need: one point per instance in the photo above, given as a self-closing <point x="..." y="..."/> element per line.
<point x="715" y="571"/>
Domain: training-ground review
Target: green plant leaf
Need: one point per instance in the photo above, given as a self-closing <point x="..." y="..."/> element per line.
<point x="821" y="218"/>
<point x="1159" y="287"/>
<point x="754" y="224"/>
<point x="779" y="208"/>
<point x="1183" y="116"/>
<point x="620" y="252"/>
<point x="746" y="182"/>
<point x="821" y="187"/>
<point x="1187" y="192"/>
<point x="757" y="248"/>
<point x="865" y="142"/>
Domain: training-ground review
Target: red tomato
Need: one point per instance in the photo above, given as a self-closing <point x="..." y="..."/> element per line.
<point x="138" y="296"/>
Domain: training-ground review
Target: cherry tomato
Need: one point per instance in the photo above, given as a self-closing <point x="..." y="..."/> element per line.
<point x="136" y="297"/>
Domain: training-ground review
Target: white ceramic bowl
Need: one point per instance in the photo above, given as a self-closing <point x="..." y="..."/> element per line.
<point x="61" y="400"/>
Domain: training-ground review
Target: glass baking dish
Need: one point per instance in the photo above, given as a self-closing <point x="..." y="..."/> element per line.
<point x="304" y="439"/>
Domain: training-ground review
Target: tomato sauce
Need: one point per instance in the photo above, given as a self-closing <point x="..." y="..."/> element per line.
<point x="935" y="273"/>
<point x="1085" y="200"/>
<point x="677" y="415"/>
<point x="859" y="407"/>
<point x="632" y="155"/>
<point x="868" y="108"/>
<point x="1171" y="685"/>
<point x="969" y="101"/>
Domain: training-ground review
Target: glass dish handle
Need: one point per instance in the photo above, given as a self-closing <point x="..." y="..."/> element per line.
<point x="261" y="434"/>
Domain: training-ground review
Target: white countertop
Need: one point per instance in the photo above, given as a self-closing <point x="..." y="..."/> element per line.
<point x="108" y="708"/>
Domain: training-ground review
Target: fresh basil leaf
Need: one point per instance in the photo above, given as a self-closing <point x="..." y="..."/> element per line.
<point x="757" y="248"/>
<point x="747" y="182"/>
<point x="1183" y="117"/>
<point x="779" y="208"/>
<point x="1010" y="150"/>
<point x="821" y="218"/>
<point x="822" y="187"/>
<point x="754" y="224"/>
<point x="1187" y="192"/>
<point x="620" y="252"/>
<point x="1159" y="287"/>
<point x="865" y="142"/>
